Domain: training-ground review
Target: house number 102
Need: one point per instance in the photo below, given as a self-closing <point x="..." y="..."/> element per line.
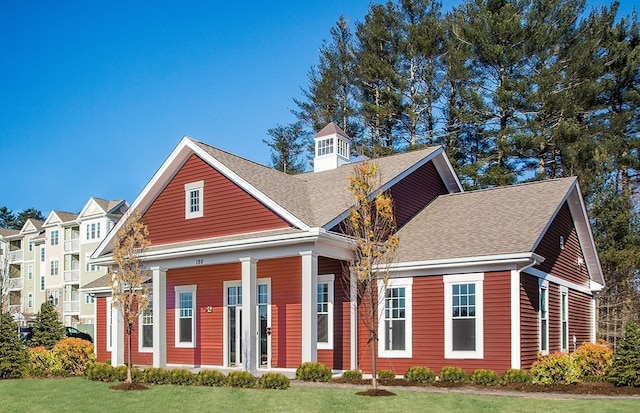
<point x="199" y="261"/>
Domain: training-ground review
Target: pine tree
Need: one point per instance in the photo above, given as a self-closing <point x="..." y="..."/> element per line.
<point x="14" y="357"/>
<point x="287" y="144"/>
<point x="626" y="366"/>
<point x="48" y="330"/>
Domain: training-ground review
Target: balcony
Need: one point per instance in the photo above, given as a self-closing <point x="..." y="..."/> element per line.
<point x="72" y="245"/>
<point x="16" y="256"/>
<point x="16" y="283"/>
<point x="71" y="276"/>
<point x="71" y="307"/>
<point x="15" y="309"/>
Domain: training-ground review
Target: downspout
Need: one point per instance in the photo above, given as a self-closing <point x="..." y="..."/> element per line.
<point x="516" y="349"/>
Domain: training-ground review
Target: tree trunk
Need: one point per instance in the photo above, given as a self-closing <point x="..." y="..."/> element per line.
<point x="129" y="378"/>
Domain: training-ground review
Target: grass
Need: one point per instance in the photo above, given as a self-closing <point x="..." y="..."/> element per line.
<point x="80" y="395"/>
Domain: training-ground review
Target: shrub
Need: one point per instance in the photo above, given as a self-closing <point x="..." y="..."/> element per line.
<point x="74" y="355"/>
<point x="44" y="363"/>
<point x="386" y="374"/>
<point x="276" y="381"/>
<point x="517" y="376"/>
<point x="241" y="379"/>
<point x="594" y="360"/>
<point x="180" y="376"/>
<point x="485" y="377"/>
<point x="420" y="375"/>
<point x="155" y="375"/>
<point x="211" y="378"/>
<point x="625" y="370"/>
<point x="352" y="375"/>
<point x="14" y="358"/>
<point x="556" y="368"/>
<point x="100" y="372"/>
<point x="313" y="371"/>
<point x="451" y="374"/>
<point x="47" y="329"/>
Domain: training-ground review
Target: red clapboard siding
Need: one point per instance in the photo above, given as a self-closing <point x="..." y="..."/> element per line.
<point x="580" y="316"/>
<point x="529" y="306"/>
<point x="339" y="357"/>
<point x="415" y="191"/>
<point x="100" y="341"/>
<point x="286" y="314"/>
<point x="209" y="326"/>
<point x="563" y="263"/>
<point x="137" y="358"/>
<point x="227" y="208"/>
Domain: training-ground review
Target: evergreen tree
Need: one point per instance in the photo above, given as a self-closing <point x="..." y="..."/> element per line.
<point x="14" y="358"/>
<point x="7" y="218"/>
<point x="626" y="366"/>
<point x="30" y="213"/>
<point x="47" y="329"/>
<point x="287" y="144"/>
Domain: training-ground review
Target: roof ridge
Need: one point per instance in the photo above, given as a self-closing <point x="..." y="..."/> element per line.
<point x="518" y="185"/>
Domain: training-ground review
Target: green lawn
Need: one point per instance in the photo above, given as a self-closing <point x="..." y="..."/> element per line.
<point x="80" y="395"/>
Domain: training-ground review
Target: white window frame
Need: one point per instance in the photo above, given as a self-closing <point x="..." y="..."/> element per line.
<point x="30" y="244"/>
<point x="185" y="289"/>
<point x="42" y="254"/>
<point x="188" y="189"/>
<point x="56" y="297"/>
<point x="449" y="282"/>
<point x="328" y="279"/>
<point x="324" y="146"/>
<point x="543" y="285"/>
<point x="147" y="312"/>
<point x="54" y="267"/>
<point x="564" y="318"/>
<point x="30" y="300"/>
<point x="30" y="272"/>
<point x="109" y="314"/>
<point x="407" y="284"/>
<point x="55" y="237"/>
<point x="42" y="282"/>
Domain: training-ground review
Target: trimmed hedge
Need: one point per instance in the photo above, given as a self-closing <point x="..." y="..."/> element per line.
<point x="313" y="371"/>
<point x="242" y="379"/>
<point x="419" y="374"/>
<point x="211" y="378"/>
<point x="555" y="368"/>
<point x="485" y="377"/>
<point x="277" y="381"/>
<point x="452" y="374"/>
<point x="352" y="375"/>
<point x="517" y="376"/>
<point x="386" y="374"/>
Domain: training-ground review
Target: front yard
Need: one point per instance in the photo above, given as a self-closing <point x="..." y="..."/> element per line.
<point x="78" y="394"/>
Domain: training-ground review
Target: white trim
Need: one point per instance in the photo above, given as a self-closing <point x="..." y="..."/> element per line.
<point x="141" y="348"/>
<point x="407" y="284"/>
<point x="543" y="285"/>
<point x="328" y="279"/>
<point x="493" y="262"/>
<point x="564" y="291"/>
<point x="353" y="320"/>
<point x="109" y="311"/>
<point x="559" y="281"/>
<point x="309" y="296"/>
<point x="225" y="318"/>
<point x="267" y="282"/>
<point x="449" y="281"/>
<point x="185" y="289"/>
<point x="515" y="320"/>
<point x="188" y="188"/>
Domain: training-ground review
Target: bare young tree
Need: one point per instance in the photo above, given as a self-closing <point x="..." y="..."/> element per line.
<point x="372" y="225"/>
<point x="129" y="293"/>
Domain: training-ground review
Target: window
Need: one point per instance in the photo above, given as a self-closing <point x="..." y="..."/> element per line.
<point x="395" y="321"/>
<point x="194" y="199"/>
<point x="463" y="321"/>
<point x="55" y="264"/>
<point x="544" y="316"/>
<point x="30" y="272"/>
<point x="343" y="148"/>
<point x="564" y="317"/>
<point x="93" y="230"/>
<point x="325" y="311"/>
<point x="89" y="299"/>
<point x="55" y="237"/>
<point x="56" y="297"/>
<point x="146" y="327"/>
<point x="30" y="244"/>
<point x="30" y="300"/>
<point x="325" y="146"/>
<point x="185" y="316"/>
<point x="41" y="254"/>
<point x="42" y="283"/>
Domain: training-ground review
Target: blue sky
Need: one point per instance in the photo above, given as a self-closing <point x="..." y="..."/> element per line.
<point x="94" y="95"/>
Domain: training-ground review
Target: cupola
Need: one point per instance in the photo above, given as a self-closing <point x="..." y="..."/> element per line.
<point x="332" y="148"/>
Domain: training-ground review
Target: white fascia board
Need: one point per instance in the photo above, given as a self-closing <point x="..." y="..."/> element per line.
<point x="559" y="281"/>
<point x="278" y="209"/>
<point x="473" y="264"/>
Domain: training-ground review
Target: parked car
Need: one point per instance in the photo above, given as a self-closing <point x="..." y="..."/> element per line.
<point x="25" y="332"/>
<point x="74" y="332"/>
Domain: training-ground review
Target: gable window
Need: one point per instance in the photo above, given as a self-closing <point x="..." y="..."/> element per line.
<point x="325" y="311"/>
<point x="544" y="316"/>
<point x="185" y="332"/>
<point x="55" y="264"/>
<point x="55" y="237"/>
<point x="463" y="316"/>
<point x="325" y="146"/>
<point x="394" y="326"/>
<point x="146" y="327"/>
<point x="564" y="317"/>
<point x="194" y="200"/>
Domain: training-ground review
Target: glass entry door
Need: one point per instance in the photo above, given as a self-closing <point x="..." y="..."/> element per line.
<point x="264" y="323"/>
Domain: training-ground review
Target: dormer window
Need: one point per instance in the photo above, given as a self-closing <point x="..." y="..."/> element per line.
<point x="325" y="146"/>
<point x="194" y="199"/>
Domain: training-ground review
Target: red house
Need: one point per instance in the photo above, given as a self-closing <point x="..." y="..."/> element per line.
<point x="246" y="267"/>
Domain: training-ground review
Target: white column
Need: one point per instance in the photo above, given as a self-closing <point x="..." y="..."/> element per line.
<point x="117" y="337"/>
<point x="515" y="319"/>
<point x="249" y="323"/>
<point x="353" y="313"/>
<point x="159" y="296"/>
<point x="309" y="306"/>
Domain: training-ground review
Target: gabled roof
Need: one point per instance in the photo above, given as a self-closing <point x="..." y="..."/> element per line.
<point x="6" y="232"/>
<point x="59" y="217"/>
<point x="98" y="207"/>
<point x="498" y="221"/>
<point x="31" y="225"/>
<point x="331" y="129"/>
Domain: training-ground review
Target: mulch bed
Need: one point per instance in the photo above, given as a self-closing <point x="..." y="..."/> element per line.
<point x="588" y="388"/>
<point x="129" y="386"/>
